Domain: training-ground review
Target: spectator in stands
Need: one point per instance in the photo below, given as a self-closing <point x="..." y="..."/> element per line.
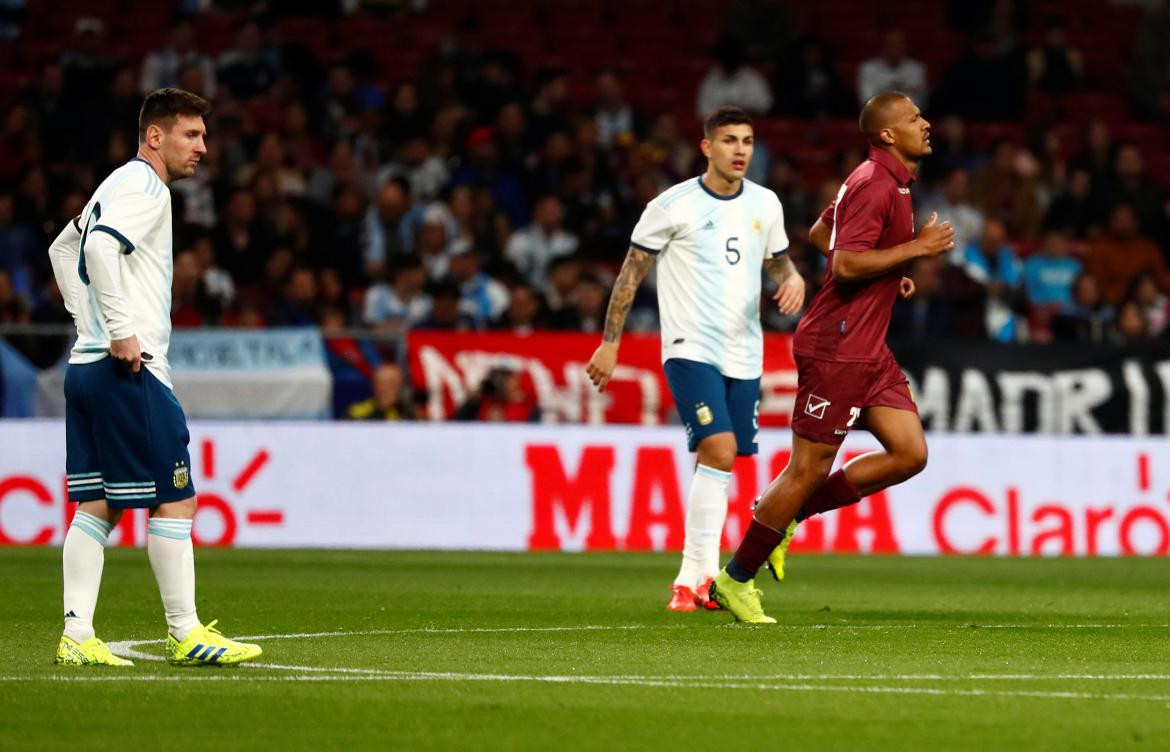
<point x="1151" y="63"/>
<point x="525" y="312"/>
<point x="926" y="316"/>
<point x="548" y="109"/>
<point x="502" y="396"/>
<point x="1049" y="276"/>
<point x="533" y="248"/>
<point x="1132" y="326"/>
<point x="808" y="84"/>
<point x="1090" y="317"/>
<point x="983" y="84"/>
<point x="13" y="307"/>
<point x="391" y="225"/>
<point x="1129" y="184"/>
<point x="1073" y="210"/>
<point x="481" y="298"/>
<point x="298" y="307"/>
<point x="425" y="173"/>
<point x="612" y="113"/>
<point x="1006" y="188"/>
<point x="216" y="282"/>
<point x="341" y="244"/>
<point x="390" y="401"/>
<point x="992" y="264"/>
<point x="563" y="273"/>
<point x="246" y="70"/>
<point x="162" y="66"/>
<point x="446" y="312"/>
<point x="893" y="70"/>
<point x="731" y="81"/>
<point x="401" y="304"/>
<point x="952" y="202"/>
<point x="1151" y="298"/>
<point x="189" y="303"/>
<point x="481" y="168"/>
<point x="1055" y="66"/>
<point x="586" y="312"/>
<point x="667" y="150"/>
<point x="785" y="181"/>
<point x="19" y="245"/>
<point x="1097" y="156"/>
<point x="88" y="65"/>
<point x="1119" y="256"/>
<point x="510" y="130"/>
<point x="950" y="150"/>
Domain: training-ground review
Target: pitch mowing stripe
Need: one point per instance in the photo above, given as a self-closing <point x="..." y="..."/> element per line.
<point x="609" y="681"/>
<point x="128" y="648"/>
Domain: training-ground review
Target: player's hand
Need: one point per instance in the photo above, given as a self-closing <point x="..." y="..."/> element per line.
<point x="601" y="365"/>
<point x="127" y="352"/>
<point x="936" y="239"/>
<point x="906" y="289"/>
<point x="790" y="295"/>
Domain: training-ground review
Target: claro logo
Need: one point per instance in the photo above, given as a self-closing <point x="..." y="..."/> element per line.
<point x="223" y="504"/>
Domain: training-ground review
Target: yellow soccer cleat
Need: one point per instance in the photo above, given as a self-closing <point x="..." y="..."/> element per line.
<point x="776" y="558"/>
<point x="206" y="646"/>
<point x="740" y="598"/>
<point x="92" y="652"/>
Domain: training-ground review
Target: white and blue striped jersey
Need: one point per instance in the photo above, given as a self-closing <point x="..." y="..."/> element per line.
<point x="113" y="264"/>
<point x="710" y="249"/>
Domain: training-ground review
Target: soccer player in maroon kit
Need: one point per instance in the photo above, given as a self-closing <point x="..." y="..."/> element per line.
<point x="847" y="376"/>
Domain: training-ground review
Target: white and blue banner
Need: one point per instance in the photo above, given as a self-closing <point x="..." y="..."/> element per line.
<point x="234" y="373"/>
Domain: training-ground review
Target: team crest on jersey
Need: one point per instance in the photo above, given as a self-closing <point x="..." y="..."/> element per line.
<point x="757" y="226"/>
<point x="704" y="414"/>
<point x="816" y="406"/>
<point x="182" y="475"/>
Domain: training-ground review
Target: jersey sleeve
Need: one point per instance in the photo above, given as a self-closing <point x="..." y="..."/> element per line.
<point x="860" y="216"/>
<point x="654" y="230"/>
<point x="130" y="215"/>
<point x="777" y="236"/>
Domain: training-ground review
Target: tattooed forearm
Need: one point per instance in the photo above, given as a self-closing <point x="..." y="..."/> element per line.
<point x="779" y="268"/>
<point x="634" y="270"/>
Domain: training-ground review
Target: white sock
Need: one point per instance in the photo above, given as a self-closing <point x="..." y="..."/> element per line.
<point x="706" y="513"/>
<point x="168" y="544"/>
<point x="82" y="559"/>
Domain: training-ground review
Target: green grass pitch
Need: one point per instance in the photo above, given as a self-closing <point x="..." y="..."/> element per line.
<point x="473" y="651"/>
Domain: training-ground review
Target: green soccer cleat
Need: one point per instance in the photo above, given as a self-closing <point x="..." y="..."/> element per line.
<point x="92" y="652"/>
<point x="206" y="646"/>
<point x="776" y="558"/>
<point x="740" y="598"/>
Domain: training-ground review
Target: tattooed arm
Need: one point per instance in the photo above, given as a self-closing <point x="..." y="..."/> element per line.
<point x="634" y="270"/>
<point x="789" y="295"/>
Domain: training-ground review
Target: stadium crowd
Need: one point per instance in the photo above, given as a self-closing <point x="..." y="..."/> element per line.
<point x="492" y="193"/>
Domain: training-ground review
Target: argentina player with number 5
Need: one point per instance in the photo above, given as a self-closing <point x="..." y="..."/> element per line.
<point x="711" y="235"/>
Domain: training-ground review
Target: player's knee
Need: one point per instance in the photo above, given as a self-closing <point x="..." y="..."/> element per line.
<point x="912" y="460"/>
<point x="718" y="452"/>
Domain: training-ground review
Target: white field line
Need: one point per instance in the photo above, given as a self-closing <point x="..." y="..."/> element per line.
<point x="745" y="683"/>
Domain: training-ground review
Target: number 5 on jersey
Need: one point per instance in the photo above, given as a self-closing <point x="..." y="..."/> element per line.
<point x="732" y="252"/>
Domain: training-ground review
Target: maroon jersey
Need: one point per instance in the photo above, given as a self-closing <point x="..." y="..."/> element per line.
<point x="847" y="321"/>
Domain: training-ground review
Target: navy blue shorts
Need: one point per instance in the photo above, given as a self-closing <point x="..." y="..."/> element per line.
<point x="125" y="437"/>
<point x="709" y="403"/>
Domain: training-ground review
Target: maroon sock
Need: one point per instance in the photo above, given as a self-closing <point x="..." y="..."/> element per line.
<point x="759" y="541"/>
<point x="834" y="493"/>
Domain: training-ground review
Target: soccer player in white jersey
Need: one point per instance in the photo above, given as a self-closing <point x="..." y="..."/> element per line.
<point x="125" y="433"/>
<point x="712" y="234"/>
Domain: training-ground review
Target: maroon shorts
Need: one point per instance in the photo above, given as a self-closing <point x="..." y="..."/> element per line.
<point x="831" y="396"/>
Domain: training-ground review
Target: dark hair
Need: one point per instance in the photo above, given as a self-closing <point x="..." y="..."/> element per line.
<point x="875" y="114"/>
<point x="728" y="114"/>
<point x="162" y="106"/>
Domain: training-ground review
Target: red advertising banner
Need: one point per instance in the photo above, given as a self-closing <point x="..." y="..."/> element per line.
<point x="453" y="367"/>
